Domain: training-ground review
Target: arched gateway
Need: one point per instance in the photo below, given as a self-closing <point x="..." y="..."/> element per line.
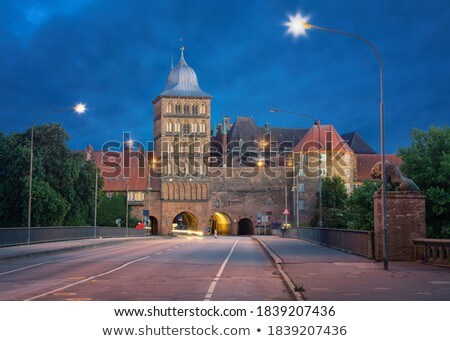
<point x="221" y="222"/>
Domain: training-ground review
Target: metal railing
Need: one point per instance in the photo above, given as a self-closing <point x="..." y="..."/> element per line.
<point x="353" y="241"/>
<point x="19" y="235"/>
<point x="434" y="251"/>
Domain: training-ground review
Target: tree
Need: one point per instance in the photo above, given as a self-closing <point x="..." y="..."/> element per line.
<point x="112" y="208"/>
<point x="360" y="206"/>
<point x="63" y="182"/>
<point x="427" y="162"/>
<point x="334" y="196"/>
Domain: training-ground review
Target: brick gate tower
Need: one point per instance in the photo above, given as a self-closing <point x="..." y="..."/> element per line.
<point x="181" y="130"/>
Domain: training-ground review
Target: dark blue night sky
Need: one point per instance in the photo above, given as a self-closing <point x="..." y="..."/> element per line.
<point x="115" y="56"/>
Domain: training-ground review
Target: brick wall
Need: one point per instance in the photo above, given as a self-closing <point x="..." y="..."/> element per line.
<point x="405" y="222"/>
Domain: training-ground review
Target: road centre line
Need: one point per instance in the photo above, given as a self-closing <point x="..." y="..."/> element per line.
<point x="219" y="274"/>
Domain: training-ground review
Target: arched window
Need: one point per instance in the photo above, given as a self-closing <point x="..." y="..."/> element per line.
<point x="169" y="127"/>
<point x="202" y="127"/>
<point x="203" y="108"/>
<point x="178" y="108"/>
<point x="169" y="108"/>
<point x="186" y="128"/>
<point x="195" y="127"/>
<point x="195" y="109"/>
<point x="177" y="127"/>
<point x="186" y="108"/>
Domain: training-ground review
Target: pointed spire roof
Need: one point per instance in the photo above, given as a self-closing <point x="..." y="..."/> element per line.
<point x="182" y="81"/>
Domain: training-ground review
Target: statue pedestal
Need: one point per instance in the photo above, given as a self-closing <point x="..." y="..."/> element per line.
<point x="405" y="222"/>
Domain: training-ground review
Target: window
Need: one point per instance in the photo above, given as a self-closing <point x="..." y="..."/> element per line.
<point x="347" y="172"/>
<point x="169" y="108"/>
<point x="186" y="108"/>
<point x="194" y="127"/>
<point x="202" y="127"/>
<point x="301" y="187"/>
<point x="347" y="158"/>
<point x="195" y="109"/>
<point x="186" y="128"/>
<point x="203" y="108"/>
<point x="169" y="127"/>
<point x="176" y="127"/>
<point x="178" y="108"/>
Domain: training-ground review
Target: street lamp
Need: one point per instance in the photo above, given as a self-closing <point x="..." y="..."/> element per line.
<point x="298" y="26"/>
<point x="79" y="109"/>
<point x="317" y="123"/>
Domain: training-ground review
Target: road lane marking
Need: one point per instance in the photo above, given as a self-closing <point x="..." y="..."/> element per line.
<point x="88" y="279"/>
<point x="158" y="253"/>
<point x="219" y="274"/>
<point x="26" y="267"/>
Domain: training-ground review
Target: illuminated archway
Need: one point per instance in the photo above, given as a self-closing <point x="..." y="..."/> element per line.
<point x="185" y="220"/>
<point x="245" y="227"/>
<point x="221" y="222"/>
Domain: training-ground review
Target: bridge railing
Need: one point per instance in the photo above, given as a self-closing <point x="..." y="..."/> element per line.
<point x="434" y="251"/>
<point x="353" y="241"/>
<point x="19" y="235"/>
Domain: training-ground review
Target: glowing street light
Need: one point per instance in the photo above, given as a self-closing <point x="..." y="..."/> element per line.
<point x="297" y="26"/>
<point x="80" y="109"/>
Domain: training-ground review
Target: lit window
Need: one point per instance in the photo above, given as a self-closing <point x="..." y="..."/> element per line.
<point x="203" y="108"/>
<point x="169" y="108"/>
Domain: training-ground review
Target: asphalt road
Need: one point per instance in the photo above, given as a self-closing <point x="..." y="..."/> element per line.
<point x="183" y="268"/>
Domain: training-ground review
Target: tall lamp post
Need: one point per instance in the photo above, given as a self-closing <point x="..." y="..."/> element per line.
<point x="298" y="26"/>
<point x="317" y="123"/>
<point x="80" y="109"/>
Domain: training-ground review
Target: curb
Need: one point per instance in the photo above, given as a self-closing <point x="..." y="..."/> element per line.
<point x="64" y="249"/>
<point x="277" y="262"/>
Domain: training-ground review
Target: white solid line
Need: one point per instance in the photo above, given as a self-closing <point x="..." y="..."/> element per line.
<point x="26" y="267"/>
<point x="87" y="279"/>
<point x="158" y="253"/>
<point x="219" y="274"/>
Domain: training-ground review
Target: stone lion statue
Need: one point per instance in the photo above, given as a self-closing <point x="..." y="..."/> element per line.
<point x="394" y="177"/>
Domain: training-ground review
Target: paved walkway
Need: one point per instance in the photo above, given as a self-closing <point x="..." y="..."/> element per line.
<point x="331" y="275"/>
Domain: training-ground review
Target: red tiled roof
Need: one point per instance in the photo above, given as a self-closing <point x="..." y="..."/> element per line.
<point x="326" y="135"/>
<point x="117" y="171"/>
<point x="365" y="163"/>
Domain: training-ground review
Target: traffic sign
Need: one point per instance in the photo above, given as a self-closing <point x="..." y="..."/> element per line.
<point x="265" y="218"/>
<point x="286" y="211"/>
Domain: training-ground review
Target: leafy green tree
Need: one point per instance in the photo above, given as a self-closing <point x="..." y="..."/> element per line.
<point x="360" y="206"/>
<point x="427" y="162"/>
<point x="112" y="208"/>
<point x="63" y="182"/>
<point x="334" y="195"/>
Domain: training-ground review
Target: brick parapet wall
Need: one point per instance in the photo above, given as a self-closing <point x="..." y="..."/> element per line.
<point x="405" y="222"/>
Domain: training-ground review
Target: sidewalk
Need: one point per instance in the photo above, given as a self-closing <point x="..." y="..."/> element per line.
<point x="327" y="274"/>
<point x="9" y="252"/>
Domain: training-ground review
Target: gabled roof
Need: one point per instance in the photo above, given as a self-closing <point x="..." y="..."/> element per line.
<point x="357" y="143"/>
<point x="182" y="81"/>
<point x="324" y="135"/>
<point x="365" y="163"/>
